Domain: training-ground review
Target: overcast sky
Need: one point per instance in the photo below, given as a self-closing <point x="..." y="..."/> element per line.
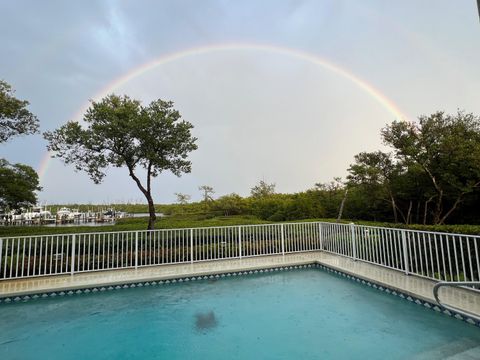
<point x="258" y="114"/>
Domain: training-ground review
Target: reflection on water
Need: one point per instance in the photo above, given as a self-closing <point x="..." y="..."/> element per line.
<point x="80" y="223"/>
<point x="146" y="215"/>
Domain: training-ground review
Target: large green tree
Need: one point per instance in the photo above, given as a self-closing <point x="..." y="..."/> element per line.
<point x="18" y="184"/>
<point x="15" y="118"/>
<point x="447" y="149"/>
<point x="376" y="172"/>
<point x="232" y="204"/>
<point x="120" y="132"/>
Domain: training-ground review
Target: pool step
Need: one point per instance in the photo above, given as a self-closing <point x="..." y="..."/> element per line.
<point x="465" y="349"/>
<point x="470" y="354"/>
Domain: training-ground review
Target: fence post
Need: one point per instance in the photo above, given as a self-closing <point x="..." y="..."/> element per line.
<point x="136" y="249"/>
<point x="405" y="251"/>
<point x="191" y="246"/>
<point x="354" y="243"/>
<point x="72" y="260"/>
<point x="321" y="235"/>
<point x="240" y="241"/>
<point x="283" y="238"/>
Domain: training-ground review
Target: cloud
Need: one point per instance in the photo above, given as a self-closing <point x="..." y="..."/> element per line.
<point x="117" y="37"/>
<point x="255" y="116"/>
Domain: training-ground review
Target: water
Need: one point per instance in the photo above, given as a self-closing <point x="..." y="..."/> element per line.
<point x="304" y="314"/>
<point x="82" y="223"/>
<point x="159" y="215"/>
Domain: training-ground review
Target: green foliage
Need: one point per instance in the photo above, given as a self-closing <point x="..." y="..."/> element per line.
<point x="262" y="189"/>
<point x="121" y="132"/>
<point x="18" y="184"/>
<point x="447" y="149"/>
<point x="330" y="196"/>
<point x="453" y="229"/>
<point x="232" y="204"/>
<point x="199" y="220"/>
<point x="15" y="119"/>
<point x="284" y="207"/>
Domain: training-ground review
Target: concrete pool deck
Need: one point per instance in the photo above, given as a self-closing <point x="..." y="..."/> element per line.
<point x="417" y="287"/>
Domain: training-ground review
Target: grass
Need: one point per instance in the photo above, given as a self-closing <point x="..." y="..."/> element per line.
<point x="196" y="220"/>
<point x="131" y="224"/>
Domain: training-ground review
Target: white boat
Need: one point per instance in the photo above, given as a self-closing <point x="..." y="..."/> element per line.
<point x="76" y="214"/>
<point x="65" y="214"/>
<point x="37" y="213"/>
<point x="16" y="215"/>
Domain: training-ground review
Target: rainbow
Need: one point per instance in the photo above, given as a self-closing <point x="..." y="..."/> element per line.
<point x="368" y="88"/>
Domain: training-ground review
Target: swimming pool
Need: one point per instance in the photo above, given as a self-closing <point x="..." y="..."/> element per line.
<point x="300" y="314"/>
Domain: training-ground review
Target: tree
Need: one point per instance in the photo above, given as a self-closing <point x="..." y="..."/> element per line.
<point x="122" y="133"/>
<point x="182" y="198"/>
<point x="447" y="149"/>
<point x="376" y="171"/>
<point x="207" y="192"/>
<point x="15" y="119"/>
<point x="18" y="184"/>
<point x="332" y="196"/>
<point x="232" y="204"/>
<point x="262" y="190"/>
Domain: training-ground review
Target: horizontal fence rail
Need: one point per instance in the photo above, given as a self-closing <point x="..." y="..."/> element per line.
<point x="433" y="255"/>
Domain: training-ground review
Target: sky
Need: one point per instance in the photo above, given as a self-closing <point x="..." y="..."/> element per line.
<point x="281" y="91"/>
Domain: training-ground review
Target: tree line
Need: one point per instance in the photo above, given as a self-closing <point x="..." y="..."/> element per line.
<point x="431" y="175"/>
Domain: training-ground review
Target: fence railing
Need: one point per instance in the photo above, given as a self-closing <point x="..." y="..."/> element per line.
<point x="31" y="256"/>
<point x="433" y="255"/>
<point x="438" y="256"/>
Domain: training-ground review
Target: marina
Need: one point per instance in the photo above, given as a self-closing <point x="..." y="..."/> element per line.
<point x="42" y="216"/>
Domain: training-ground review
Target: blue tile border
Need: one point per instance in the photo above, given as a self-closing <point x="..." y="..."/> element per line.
<point x="374" y="285"/>
<point x="127" y="285"/>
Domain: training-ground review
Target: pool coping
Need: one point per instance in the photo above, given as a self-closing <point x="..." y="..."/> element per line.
<point x="28" y="295"/>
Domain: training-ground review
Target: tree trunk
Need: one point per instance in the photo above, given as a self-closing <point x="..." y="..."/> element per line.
<point x="147" y="193"/>
<point x="342" y="205"/>
<point x="425" y="211"/>
<point x="417" y="217"/>
<point x="409" y="213"/>
<point x="452" y="209"/>
<point x="394" y="208"/>
<point x="151" y="212"/>
<point x="151" y="206"/>
<point x="438" y="209"/>
<point x="455" y="204"/>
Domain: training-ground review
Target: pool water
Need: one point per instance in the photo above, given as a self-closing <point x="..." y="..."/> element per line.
<point x="300" y="314"/>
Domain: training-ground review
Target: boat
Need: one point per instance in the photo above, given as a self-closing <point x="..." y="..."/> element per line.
<point x="37" y="213"/>
<point x="65" y="214"/>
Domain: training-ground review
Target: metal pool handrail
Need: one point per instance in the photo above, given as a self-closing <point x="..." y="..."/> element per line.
<point x="437" y="287"/>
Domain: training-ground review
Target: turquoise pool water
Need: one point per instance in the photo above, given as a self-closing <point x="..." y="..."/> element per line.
<point x="301" y="314"/>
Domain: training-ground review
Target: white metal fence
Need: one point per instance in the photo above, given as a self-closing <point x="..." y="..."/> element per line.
<point x="30" y="256"/>
<point x="439" y="256"/>
<point x="434" y="255"/>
